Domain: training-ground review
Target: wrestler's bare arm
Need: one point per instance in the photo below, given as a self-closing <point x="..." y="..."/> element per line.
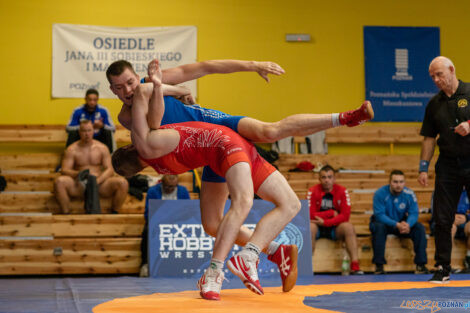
<point x="150" y="143"/>
<point x="176" y="91"/>
<point x="125" y="115"/>
<point x="106" y="164"/>
<point x="187" y="72"/>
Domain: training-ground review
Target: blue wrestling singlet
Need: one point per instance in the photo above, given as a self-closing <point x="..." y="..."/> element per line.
<point x="177" y="112"/>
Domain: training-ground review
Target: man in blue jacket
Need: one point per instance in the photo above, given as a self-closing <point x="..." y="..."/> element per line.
<point x="168" y="189"/>
<point x="98" y="115"/>
<point x="396" y="212"/>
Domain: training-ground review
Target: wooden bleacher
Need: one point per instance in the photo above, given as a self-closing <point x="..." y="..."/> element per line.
<point x="41" y="242"/>
<point x="47" y="133"/>
<point x="370" y="133"/>
<point x="398" y="253"/>
<point x="37" y="239"/>
<point x="361" y="187"/>
<point x="375" y="134"/>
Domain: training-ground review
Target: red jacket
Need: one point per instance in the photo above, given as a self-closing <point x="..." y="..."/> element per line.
<point x="341" y="203"/>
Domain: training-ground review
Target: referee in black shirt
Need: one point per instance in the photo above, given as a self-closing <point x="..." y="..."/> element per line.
<point x="447" y="115"/>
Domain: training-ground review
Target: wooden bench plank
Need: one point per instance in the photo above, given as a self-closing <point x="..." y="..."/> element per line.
<point x="356" y="183"/>
<point x="362" y="134"/>
<point x="88" y="225"/>
<point x="375" y="134"/>
<point x="407" y="163"/>
<point x="70" y="256"/>
<point x="421" y="193"/>
<point x="30" y="182"/>
<point x="46" y="203"/>
<point x="423" y="196"/>
<point x="45" y="181"/>
<point x="35" y="161"/>
<point x="47" y="134"/>
<point x="314" y="176"/>
<point x="399" y="254"/>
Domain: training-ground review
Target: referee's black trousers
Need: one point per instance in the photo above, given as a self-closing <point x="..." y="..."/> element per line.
<point x="452" y="174"/>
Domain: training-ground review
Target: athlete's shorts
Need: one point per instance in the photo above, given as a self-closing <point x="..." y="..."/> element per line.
<point x="231" y="122"/>
<point x="260" y="168"/>
<point x="210" y="176"/>
<point x="326" y="232"/>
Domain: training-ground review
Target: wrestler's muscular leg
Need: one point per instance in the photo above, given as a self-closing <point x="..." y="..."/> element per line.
<point x="302" y="124"/>
<point x="240" y="186"/>
<point x="276" y="190"/>
<point x="294" y="125"/>
<point x="212" y="201"/>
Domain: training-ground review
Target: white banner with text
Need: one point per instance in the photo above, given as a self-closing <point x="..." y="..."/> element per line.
<point x="81" y="54"/>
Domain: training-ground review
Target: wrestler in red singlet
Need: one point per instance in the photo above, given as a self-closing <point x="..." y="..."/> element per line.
<point x="216" y="146"/>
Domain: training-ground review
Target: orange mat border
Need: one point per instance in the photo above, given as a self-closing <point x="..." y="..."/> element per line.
<point x="244" y="301"/>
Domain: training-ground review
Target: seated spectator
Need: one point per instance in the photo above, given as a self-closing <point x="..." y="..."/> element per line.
<point x="330" y="208"/>
<point x="396" y="212"/>
<point x="168" y="189"/>
<point x="89" y="155"/>
<point x="460" y="227"/>
<point x="102" y="124"/>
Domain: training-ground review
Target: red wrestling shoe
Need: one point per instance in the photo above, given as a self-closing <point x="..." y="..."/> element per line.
<point x="357" y="117"/>
<point x="210" y="284"/>
<point x="286" y="259"/>
<point x="245" y="266"/>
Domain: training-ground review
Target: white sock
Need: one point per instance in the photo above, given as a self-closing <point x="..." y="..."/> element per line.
<point x="252" y="248"/>
<point x="216" y="264"/>
<point x="335" y="119"/>
<point x="468" y="252"/>
<point x="272" y="248"/>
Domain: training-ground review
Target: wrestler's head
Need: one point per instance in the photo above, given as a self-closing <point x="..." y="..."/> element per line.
<point x="123" y="80"/>
<point x="126" y="161"/>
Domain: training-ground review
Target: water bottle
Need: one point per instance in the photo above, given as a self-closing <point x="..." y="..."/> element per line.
<point x="345" y="267"/>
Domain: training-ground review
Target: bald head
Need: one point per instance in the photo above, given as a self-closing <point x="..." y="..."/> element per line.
<point x="441" y="61"/>
<point x="442" y="72"/>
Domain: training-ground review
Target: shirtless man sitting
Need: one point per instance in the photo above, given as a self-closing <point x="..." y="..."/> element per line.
<point x="92" y="155"/>
<point x="177" y="148"/>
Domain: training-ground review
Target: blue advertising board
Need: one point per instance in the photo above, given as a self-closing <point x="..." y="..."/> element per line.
<point x="179" y="247"/>
<point x="396" y="68"/>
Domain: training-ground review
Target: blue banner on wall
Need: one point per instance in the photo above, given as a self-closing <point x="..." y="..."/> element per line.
<point x="179" y="247"/>
<point x="396" y="68"/>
